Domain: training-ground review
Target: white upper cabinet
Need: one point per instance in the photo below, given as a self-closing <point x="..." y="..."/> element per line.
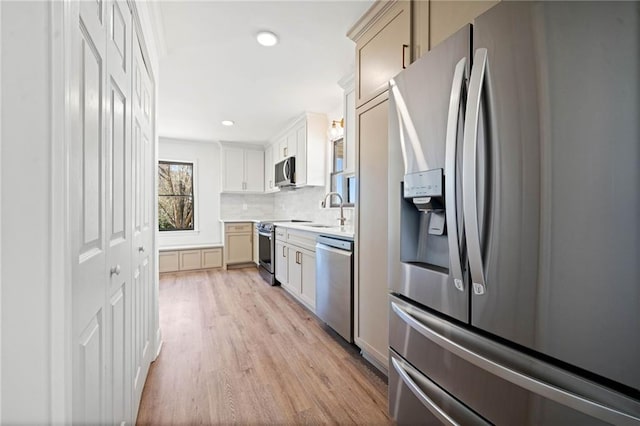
<point x="242" y="170"/>
<point x="254" y="170"/>
<point x="269" y="175"/>
<point x="305" y="139"/>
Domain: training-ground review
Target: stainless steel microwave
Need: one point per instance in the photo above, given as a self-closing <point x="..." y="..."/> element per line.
<point x="285" y="172"/>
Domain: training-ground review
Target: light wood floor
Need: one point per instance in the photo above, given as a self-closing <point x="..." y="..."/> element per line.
<point x="239" y="351"/>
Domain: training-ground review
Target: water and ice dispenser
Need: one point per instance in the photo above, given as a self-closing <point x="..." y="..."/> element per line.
<point x="423" y="238"/>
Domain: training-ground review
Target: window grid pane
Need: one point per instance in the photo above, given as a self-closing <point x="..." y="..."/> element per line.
<point x="175" y="196"/>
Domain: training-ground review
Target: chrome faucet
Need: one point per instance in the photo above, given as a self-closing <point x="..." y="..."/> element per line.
<point x="342" y="219"/>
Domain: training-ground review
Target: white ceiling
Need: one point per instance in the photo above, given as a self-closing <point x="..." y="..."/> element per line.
<point x="212" y="68"/>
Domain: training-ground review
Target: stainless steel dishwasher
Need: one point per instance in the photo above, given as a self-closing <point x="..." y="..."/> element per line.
<point x="334" y="284"/>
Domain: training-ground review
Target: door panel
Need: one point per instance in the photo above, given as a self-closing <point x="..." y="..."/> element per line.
<point x="563" y="239"/>
<point x="119" y="213"/>
<point x="88" y="405"/>
<point x="92" y="138"/>
<point x="144" y="170"/>
<point x="87" y="177"/>
<point x="119" y="354"/>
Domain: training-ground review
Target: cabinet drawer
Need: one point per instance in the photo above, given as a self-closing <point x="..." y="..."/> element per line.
<point x="238" y="227"/>
<point x="190" y="260"/>
<point x="169" y="261"/>
<point x="212" y="258"/>
<point x="281" y="233"/>
<point x="302" y="239"/>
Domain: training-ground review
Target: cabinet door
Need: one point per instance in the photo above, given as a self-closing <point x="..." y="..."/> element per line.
<point x="383" y="52"/>
<point x="371" y="286"/>
<point x="283" y="149"/>
<point x="254" y="170"/>
<point x="295" y="271"/>
<point x="190" y="259"/>
<point x="239" y="248"/>
<point x="211" y="258"/>
<point x="292" y="149"/>
<point x="169" y="261"/>
<point x="300" y="134"/>
<point x="268" y="169"/>
<point x="308" y="277"/>
<point x="233" y="169"/>
<point x="280" y="254"/>
<point x="447" y="17"/>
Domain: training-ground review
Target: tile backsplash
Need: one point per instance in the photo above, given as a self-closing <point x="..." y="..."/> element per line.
<point x="302" y="203"/>
<point x="249" y="206"/>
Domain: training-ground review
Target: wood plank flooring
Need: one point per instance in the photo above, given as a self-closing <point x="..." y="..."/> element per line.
<point x="239" y="351"/>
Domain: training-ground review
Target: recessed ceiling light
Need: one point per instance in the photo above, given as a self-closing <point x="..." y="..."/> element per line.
<point x="227" y="123"/>
<point x="267" y="38"/>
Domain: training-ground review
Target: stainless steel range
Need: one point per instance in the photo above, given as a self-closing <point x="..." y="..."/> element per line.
<point x="266" y="249"/>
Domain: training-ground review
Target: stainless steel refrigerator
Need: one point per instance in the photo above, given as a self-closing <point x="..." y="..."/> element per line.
<point x="514" y="256"/>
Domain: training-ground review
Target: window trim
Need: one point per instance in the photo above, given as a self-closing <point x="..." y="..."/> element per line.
<point x="346" y="175"/>
<point x="196" y="197"/>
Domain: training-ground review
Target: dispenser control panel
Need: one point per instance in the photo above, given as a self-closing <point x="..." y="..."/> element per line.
<point x="429" y="183"/>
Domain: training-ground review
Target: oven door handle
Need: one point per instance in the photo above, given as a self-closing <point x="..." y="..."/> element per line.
<point x="265" y="234"/>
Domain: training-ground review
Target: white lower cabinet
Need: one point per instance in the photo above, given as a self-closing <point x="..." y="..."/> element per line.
<point x="296" y="265"/>
<point x="281" y="263"/>
<point x="308" y="277"/>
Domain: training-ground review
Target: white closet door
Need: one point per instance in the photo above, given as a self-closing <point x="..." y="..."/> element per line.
<point x="88" y="220"/>
<point x="144" y="170"/>
<point x="118" y="213"/>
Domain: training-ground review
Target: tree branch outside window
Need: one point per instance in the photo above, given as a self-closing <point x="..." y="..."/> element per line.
<point x="175" y="196"/>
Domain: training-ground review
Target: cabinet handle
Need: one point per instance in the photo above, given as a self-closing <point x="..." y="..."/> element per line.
<point x="283" y="252"/>
<point x="404" y="49"/>
<point x="285" y="151"/>
<point x="141" y="249"/>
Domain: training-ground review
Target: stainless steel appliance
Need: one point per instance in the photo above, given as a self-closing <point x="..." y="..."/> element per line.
<point x="266" y="249"/>
<point x="285" y="172"/>
<point x="515" y="180"/>
<point x="334" y="284"/>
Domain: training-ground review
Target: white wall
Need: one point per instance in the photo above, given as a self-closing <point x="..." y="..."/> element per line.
<point x="26" y="208"/>
<point x="34" y="352"/>
<point x="206" y="158"/>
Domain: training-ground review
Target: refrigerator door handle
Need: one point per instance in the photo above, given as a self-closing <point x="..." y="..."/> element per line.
<point x="548" y="390"/>
<point x="457" y="92"/>
<point x="405" y="371"/>
<point x="469" y="169"/>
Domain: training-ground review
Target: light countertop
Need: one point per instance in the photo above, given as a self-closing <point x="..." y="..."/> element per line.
<point x="334" y="231"/>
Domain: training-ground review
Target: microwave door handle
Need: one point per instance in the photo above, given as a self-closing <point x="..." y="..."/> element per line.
<point x="469" y="170"/>
<point x="285" y="170"/>
<point x="456" y="98"/>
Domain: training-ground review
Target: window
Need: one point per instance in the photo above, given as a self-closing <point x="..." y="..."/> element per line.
<point x="175" y="196"/>
<point x="341" y="183"/>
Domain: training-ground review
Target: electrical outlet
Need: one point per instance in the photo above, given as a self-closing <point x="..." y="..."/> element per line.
<point x="244" y="207"/>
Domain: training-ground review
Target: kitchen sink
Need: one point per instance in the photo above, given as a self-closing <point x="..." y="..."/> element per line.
<point x="319" y="225"/>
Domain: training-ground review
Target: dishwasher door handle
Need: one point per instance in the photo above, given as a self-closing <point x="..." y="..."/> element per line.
<point x="320" y="246"/>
